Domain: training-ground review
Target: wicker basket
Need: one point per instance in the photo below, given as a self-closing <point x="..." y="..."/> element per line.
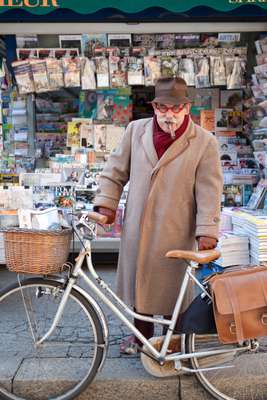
<point x="36" y="251"/>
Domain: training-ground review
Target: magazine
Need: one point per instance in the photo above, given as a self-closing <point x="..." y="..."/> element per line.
<point x="23" y="75"/>
<point x="40" y="78"/>
<point x="117" y="71"/>
<point x="152" y="70"/>
<point x="136" y="71"/>
<point x="102" y="72"/>
<point x="55" y="73"/>
<point x="72" y="71"/>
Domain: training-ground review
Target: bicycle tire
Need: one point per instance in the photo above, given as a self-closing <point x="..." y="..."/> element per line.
<point x="246" y="373"/>
<point x="73" y="340"/>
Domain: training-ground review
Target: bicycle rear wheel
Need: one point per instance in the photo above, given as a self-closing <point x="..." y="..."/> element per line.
<point x="67" y="361"/>
<point x="245" y="377"/>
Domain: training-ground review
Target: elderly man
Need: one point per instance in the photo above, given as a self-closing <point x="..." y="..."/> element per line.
<point x="173" y="166"/>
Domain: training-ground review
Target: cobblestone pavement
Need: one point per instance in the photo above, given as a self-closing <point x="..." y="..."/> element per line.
<point x="117" y="331"/>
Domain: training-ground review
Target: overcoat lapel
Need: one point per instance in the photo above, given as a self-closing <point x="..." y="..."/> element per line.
<point x="177" y="148"/>
<point x="147" y="141"/>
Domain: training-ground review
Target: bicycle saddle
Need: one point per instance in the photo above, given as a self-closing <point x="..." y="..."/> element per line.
<point x="201" y="257"/>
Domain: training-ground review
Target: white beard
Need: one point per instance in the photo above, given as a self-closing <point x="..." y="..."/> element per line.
<point x="170" y="124"/>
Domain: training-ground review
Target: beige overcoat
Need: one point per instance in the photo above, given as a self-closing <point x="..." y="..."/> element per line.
<point x="171" y="201"/>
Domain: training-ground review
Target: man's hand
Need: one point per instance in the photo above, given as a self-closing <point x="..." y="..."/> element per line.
<point x="111" y="214"/>
<point x="206" y="243"/>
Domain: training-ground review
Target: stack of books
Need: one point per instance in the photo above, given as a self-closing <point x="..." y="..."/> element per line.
<point x="234" y="250"/>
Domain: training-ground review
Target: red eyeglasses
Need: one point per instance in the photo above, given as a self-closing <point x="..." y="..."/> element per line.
<point x="175" y="108"/>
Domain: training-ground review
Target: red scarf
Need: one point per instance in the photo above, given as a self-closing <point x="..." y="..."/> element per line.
<point x="163" y="140"/>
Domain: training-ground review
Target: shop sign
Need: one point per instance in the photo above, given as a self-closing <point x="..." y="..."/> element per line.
<point x="92" y="6"/>
<point x="28" y="3"/>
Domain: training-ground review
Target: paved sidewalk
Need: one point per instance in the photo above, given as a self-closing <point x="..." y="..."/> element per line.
<point x="122" y="376"/>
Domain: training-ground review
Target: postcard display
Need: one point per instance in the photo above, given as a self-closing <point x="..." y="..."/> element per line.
<point x="84" y="91"/>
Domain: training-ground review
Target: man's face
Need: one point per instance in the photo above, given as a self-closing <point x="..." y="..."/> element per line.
<point x="170" y="117"/>
<point x="224" y="114"/>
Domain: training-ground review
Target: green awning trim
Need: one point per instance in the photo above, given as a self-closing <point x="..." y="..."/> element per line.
<point x="42" y="7"/>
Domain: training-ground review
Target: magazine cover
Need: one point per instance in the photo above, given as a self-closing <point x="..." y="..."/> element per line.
<point x="73" y="175"/>
<point x="165" y="41"/>
<point x="232" y="99"/>
<point x="122" y="110"/>
<point x="70" y="41"/>
<point x="73" y="134"/>
<point x="221" y="119"/>
<point x="119" y="40"/>
<point x="86" y="132"/>
<point x="186" y="40"/>
<point x="144" y="40"/>
<point x="43" y="196"/>
<point x="235" y="120"/>
<point x="102" y="72"/>
<point x="186" y="70"/>
<point x="55" y="73"/>
<point x="135" y="73"/>
<point x="65" y="196"/>
<point x="202" y="74"/>
<point x="114" y="136"/>
<point x="91" y="41"/>
<point x="23" y="75"/>
<point x="105" y="104"/>
<point x="118" y="71"/>
<point x="207" y="120"/>
<point x="152" y="70"/>
<point x="88" y="104"/>
<point x="72" y="71"/>
<point x="100" y="137"/>
<point x="169" y="67"/>
<point x="40" y="78"/>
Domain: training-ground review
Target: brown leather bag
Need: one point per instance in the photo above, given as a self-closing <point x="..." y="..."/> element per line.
<point x="240" y="303"/>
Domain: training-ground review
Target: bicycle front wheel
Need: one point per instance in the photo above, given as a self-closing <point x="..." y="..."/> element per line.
<point x="244" y="372"/>
<point x="60" y="368"/>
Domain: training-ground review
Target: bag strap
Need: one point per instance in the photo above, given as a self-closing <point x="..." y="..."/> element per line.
<point x="236" y="309"/>
<point x="262" y="275"/>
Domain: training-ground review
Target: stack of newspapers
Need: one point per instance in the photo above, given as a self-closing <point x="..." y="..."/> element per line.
<point x="255" y="227"/>
<point x="234" y="249"/>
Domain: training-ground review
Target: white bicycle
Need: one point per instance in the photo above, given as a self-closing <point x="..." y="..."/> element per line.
<point x="58" y="325"/>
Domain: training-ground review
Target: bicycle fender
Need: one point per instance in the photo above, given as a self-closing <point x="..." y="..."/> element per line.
<point x="102" y="318"/>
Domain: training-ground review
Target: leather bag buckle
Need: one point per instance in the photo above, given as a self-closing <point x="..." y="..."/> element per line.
<point x="232" y="328"/>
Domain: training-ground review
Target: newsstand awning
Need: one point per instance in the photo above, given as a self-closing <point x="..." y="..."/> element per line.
<point x="131" y="10"/>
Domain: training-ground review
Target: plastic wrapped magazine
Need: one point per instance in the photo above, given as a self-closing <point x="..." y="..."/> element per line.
<point x="23" y="75"/>
<point x="202" y="68"/>
<point x="73" y="137"/>
<point x="186" y="71"/>
<point x="135" y="71"/>
<point x="88" y="74"/>
<point x="169" y="67"/>
<point x="144" y="40"/>
<point x="165" y="40"/>
<point x="152" y="68"/>
<point x="55" y="73"/>
<point x="235" y="72"/>
<point x="122" y="110"/>
<point x="90" y="42"/>
<point x="217" y="71"/>
<point x="105" y="104"/>
<point x="100" y="137"/>
<point x="72" y="71"/>
<point x="117" y="70"/>
<point x="40" y="78"/>
<point x="102" y="71"/>
<point x="113" y="136"/>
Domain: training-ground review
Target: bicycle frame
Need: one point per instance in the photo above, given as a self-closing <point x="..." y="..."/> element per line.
<point x="161" y="356"/>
